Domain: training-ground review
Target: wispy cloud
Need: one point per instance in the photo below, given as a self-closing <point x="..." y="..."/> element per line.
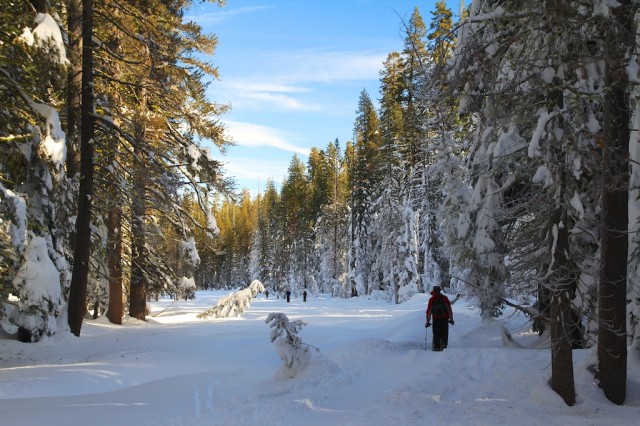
<point x="248" y="134"/>
<point x="270" y="87"/>
<point x="292" y="80"/>
<point x="252" y="169"/>
<point x="297" y="68"/>
<point x="256" y="96"/>
<point x="213" y="18"/>
<point x="316" y="66"/>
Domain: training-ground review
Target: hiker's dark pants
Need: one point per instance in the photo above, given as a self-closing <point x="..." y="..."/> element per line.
<point x="440" y="334"/>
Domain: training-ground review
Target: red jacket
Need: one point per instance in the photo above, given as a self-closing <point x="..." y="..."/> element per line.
<point x="448" y="313"/>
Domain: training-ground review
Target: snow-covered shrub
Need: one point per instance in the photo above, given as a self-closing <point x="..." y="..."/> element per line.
<point x="38" y="288"/>
<point x="234" y="304"/>
<point x="186" y="287"/>
<point x="380" y="295"/>
<point x="294" y="354"/>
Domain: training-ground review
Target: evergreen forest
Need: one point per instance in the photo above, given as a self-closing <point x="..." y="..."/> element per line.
<point x="500" y="160"/>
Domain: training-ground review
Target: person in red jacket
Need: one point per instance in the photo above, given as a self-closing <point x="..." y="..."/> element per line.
<point x="439" y="308"/>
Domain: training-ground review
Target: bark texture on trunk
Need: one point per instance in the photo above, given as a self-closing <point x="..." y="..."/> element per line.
<point x="78" y="289"/>
<point x="612" y="295"/>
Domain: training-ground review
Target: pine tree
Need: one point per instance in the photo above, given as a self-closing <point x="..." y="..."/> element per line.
<point x="33" y="186"/>
<point x="268" y="235"/>
<point x="364" y="182"/>
<point x="173" y="114"/>
<point x="391" y="115"/>
<point x="299" y="221"/>
<point x="442" y="35"/>
<point x="331" y="228"/>
<point x="532" y="167"/>
<point x="414" y="57"/>
<point x="437" y="145"/>
<point x="167" y="158"/>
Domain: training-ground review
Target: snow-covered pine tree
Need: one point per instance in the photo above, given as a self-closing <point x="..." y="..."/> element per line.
<point x="32" y="180"/>
<point x="563" y="144"/>
<point x="482" y="249"/>
<point x="386" y="224"/>
<point x="263" y="243"/>
<point x="279" y="250"/>
<point x="394" y="229"/>
<point x="255" y="267"/>
<point x="294" y="354"/>
<point x="535" y="94"/>
<point x="298" y="229"/>
<point x="331" y="248"/>
<point x="385" y="230"/>
<point x="440" y="124"/>
<point x="331" y="228"/>
<point x="364" y="180"/>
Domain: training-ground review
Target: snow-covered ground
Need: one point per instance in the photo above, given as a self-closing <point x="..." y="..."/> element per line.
<point x="372" y="369"/>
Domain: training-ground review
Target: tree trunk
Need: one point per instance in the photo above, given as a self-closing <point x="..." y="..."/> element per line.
<point x="612" y="331"/>
<point x="115" y="308"/>
<point x="540" y="323"/>
<point x="138" y="282"/>
<point x="78" y="288"/>
<point x="562" y="276"/>
<point x="561" y="318"/>
<point x="137" y="299"/>
<point x="114" y="263"/>
<point x="74" y="85"/>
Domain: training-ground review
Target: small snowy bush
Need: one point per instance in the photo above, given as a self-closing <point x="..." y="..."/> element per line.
<point x="294" y="354"/>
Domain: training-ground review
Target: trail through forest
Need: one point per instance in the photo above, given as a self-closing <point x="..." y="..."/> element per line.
<point x="372" y="369"/>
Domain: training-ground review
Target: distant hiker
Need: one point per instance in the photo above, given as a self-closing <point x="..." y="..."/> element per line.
<point x="266" y="293"/>
<point x="304" y="296"/>
<point x="439" y="308"/>
<point x="288" y="295"/>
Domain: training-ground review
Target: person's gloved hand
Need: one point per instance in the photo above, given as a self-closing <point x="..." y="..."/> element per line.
<point x="451" y="322"/>
<point x="427" y="324"/>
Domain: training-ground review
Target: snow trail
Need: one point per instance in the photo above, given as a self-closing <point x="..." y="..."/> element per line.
<point x="372" y="369"/>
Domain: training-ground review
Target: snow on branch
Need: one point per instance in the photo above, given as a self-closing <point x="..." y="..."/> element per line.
<point x="294" y="354"/>
<point x="46" y="35"/>
<point x="234" y="304"/>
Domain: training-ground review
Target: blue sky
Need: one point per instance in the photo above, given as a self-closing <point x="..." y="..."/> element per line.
<point x="293" y="71"/>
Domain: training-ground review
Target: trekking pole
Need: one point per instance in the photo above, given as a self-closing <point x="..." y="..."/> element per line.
<point x="426" y="335"/>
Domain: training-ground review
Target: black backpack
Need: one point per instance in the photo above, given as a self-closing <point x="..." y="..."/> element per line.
<point x="438" y="308"/>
